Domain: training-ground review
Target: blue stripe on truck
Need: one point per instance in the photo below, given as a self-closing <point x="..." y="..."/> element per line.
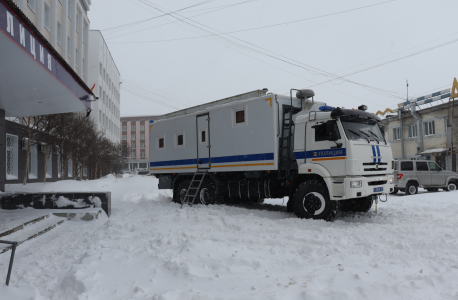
<point x="215" y="160"/>
<point x="321" y="153"/>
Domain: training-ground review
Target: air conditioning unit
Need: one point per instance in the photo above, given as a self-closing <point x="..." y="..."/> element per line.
<point x="25" y="144"/>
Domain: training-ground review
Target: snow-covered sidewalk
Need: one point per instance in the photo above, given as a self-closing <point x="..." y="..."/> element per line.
<point x="152" y="249"/>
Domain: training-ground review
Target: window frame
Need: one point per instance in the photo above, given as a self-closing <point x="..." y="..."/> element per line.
<point x="33" y="163"/>
<point x="14" y="150"/>
<point x="47" y="19"/>
<point x="397" y="133"/>
<point x="133" y="128"/>
<point x="49" y="166"/>
<point x="428" y="127"/>
<point x="69" y="50"/>
<point x="133" y="137"/>
<point x="412" y="131"/>
<point x="158" y="138"/>
<point x="142" y="155"/>
<point x="142" y="127"/>
<point x="69" y="9"/>
<point x="34" y="5"/>
<point x="59" y="33"/>
<point x="235" y="110"/>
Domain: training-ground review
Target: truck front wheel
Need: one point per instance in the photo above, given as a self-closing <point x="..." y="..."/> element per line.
<point x="311" y="201"/>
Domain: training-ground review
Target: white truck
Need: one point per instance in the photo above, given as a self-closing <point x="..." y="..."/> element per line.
<point x="261" y="145"/>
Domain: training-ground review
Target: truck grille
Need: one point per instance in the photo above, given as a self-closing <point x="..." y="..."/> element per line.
<point x="375" y="164"/>
<point x="380" y="182"/>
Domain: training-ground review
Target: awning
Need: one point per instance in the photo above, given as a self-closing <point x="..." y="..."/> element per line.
<point x="438" y="150"/>
<point x="34" y="78"/>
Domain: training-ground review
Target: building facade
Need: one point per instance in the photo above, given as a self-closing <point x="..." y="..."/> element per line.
<point x="424" y="134"/>
<point x="135" y="133"/>
<point x="104" y="74"/>
<point x="64" y="23"/>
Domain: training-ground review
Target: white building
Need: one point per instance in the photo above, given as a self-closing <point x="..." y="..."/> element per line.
<point x="64" y="23"/>
<point x="105" y="75"/>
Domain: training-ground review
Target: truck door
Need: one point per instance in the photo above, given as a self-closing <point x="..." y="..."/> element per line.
<point x="320" y="149"/>
<point x="203" y="141"/>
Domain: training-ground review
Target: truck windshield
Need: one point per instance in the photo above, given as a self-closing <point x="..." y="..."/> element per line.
<point x="362" y="129"/>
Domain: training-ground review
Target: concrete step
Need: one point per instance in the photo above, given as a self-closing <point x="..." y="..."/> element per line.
<point x="31" y="230"/>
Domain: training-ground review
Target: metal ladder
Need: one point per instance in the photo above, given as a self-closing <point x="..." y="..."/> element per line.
<point x="193" y="190"/>
<point x="285" y="160"/>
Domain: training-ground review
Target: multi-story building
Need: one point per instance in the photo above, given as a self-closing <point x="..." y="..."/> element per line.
<point x="425" y="133"/>
<point x="64" y="23"/>
<point x="135" y="133"/>
<point x="107" y="79"/>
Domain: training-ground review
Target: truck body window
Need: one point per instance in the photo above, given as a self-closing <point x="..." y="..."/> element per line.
<point x="180" y="140"/>
<point x="161" y="143"/>
<point x="322" y="134"/>
<point x="406" y="165"/>
<point x="203" y="136"/>
<point x="422" y="166"/>
<point x="239" y="117"/>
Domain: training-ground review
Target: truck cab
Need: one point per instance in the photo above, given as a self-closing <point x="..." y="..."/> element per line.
<point x="347" y="150"/>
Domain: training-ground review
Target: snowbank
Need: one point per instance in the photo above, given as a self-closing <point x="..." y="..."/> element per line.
<point x="152" y="249"/>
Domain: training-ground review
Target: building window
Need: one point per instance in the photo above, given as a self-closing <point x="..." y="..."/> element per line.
<point x="104" y="73"/>
<point x="160" y="142"/>
<point x="133" y="137"/>
<point x="59" y="166"/>
<point x="47" y="17"/>
<point x="70" y="168"/>
<point x="82" y="67"/>
<point x="78" y="21"/>
<point x="397" y="133"/>
<point x="133" y="146"/>
<point x="132" y="128"/>
<point x="430" y="128"/>
<point x="11" y="157"/>
<point x="142" y="155"/>
<point x="240" y="117"/>
<point x="49" y="167"/>
<point x="31" y="4"/>
<point x="413" y="131"/>
<point x="68" y="46"/>
<point x="33" y="162"/>
<point x="134" y="155"/>
<point x="77" y="58"/>
<point x="124" y="128"/>
<point x="142" y="136"/>
<point x="142" y="146"/>
<point x="142" y="127"/>
<point x="101" y="74"/>
<point x="59" y="33"/>
<point x="69" y="9"/>
<point x="124" y="137"/>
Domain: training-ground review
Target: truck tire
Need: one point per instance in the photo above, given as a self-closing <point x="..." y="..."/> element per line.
<point x="311" y="201"/>
<point x="395" y="191"/>
<point x="207" y="193"/>
<point x="451" y="186"/>
<point x="180" y="191"/>
<point x="357" y="205"/>
<point x="411" y="188"/>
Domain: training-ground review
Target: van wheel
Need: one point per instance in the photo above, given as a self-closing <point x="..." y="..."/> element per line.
<point x="180" y="191"/>
<point x="411" y="188"/>
<point x="451" y="186"/>
<point x="207" y="193"/>
<point x="311" y="201"/>
<point x="357" y="205"/>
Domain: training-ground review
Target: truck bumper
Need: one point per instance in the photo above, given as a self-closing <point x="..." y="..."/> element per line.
<point x="341" y="189"/>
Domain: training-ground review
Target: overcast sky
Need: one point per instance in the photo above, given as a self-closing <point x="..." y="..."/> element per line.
<point x="164" y="68"/>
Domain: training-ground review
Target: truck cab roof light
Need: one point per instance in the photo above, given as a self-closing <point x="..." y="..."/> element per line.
<point x="326" y="108"/>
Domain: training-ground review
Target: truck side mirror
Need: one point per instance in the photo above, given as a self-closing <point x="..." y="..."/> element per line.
<point x="331" y="129"/>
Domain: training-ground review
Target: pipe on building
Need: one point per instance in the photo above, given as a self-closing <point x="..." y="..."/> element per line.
<point x="402" y="135"/>
<point x="419" y="136"/>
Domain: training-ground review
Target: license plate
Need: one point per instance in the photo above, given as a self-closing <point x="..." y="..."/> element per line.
<point x="379" y="189"/>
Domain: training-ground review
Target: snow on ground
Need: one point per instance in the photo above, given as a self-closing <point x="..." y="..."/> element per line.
<point x="151" y="249"/>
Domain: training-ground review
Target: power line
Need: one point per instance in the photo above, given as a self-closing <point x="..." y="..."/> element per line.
<point x="310" y="69"/>
<point x="255" y="28"/>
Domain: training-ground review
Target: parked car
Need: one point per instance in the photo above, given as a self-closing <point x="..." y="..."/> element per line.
<point x="409" y="175"/>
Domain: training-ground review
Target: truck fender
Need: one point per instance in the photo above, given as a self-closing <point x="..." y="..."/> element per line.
<point x="315" y="170"/>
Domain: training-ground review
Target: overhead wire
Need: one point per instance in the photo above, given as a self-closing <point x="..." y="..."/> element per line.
<point x="310" y="69"/>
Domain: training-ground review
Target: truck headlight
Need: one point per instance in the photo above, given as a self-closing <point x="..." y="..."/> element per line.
<point x="356" y="184"/>
<point x="391" y="179"/>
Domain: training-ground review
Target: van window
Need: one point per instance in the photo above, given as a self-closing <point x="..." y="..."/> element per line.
<point x="422" y="166"/>
<point x="240" y="116"/>
<point x="406" y="165"/>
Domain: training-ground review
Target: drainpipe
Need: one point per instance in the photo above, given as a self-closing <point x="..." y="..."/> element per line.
<point x="401" y="131"/>
<point x="418" y="118"/>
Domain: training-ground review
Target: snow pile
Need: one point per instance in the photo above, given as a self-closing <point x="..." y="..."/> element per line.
<point x="152" y="249"/>
<point x="64" y="202"/>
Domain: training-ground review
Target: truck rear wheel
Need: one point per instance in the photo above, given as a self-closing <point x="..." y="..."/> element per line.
<point x="207" y="193"/>
<point x="311" y="201"/>
<point x="357" y="205"/>
<point x="180" y="191"/>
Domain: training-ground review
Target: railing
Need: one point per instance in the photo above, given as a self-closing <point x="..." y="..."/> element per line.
<point x="13" y="250"/>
